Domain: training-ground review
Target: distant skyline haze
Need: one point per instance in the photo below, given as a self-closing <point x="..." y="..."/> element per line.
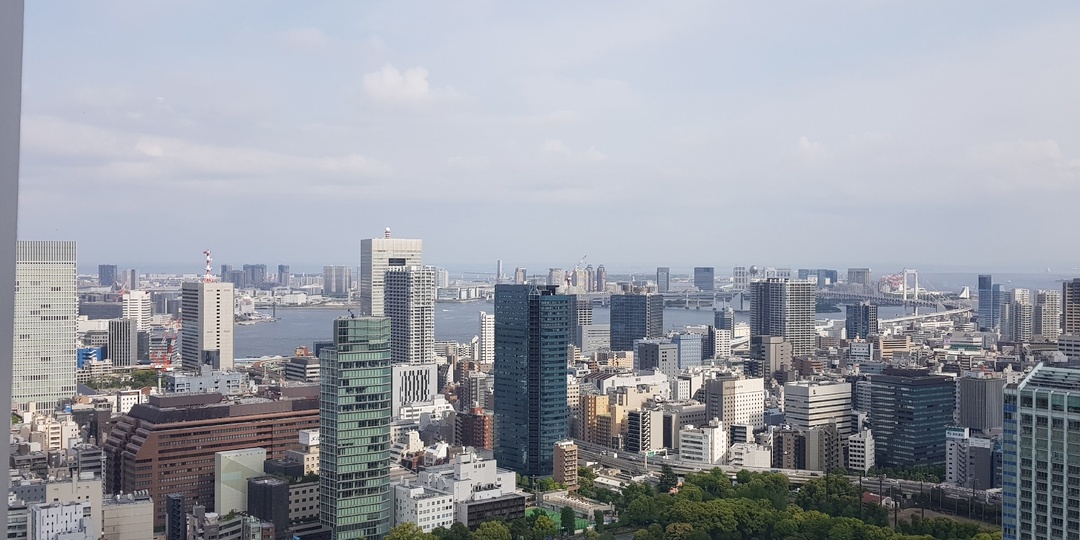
<point x="875" y="133"/>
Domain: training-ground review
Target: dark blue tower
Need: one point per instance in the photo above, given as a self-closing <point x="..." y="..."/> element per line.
<point x="533" y="326"/>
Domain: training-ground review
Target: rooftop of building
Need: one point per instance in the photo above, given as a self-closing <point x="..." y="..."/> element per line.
<point x="1053" y="378"/>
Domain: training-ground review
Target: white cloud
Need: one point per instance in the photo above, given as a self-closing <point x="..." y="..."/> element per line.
<point x="556" y="146"/>
<point x="410" y="86"/>
<point x="808" y="149"/>
<point x="307" y="38"/>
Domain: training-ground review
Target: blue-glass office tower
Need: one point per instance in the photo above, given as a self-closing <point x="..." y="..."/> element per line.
<point x="354" y="424"/>
<point x="634" y="317"/>
<point x="533" y="326"/>
<point x="1041" y="456"/>
<point x="910" y="411"/>
<point x="989" y="303"/>
<point x="861" y="321"/>
<point x="724" y="319"/>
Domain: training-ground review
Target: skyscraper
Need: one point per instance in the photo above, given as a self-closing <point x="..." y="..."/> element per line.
<point x="354" y="417"/>
<point x="859" y="277"/>
<point x="532" y="332"/>
<point x="498" y="272"/>
<point x="556" y="277"/>
<point x="704" y="278"/>
<point x="132" y="279"/>
<point x="123" y="342"/>
<point x="724" y="319"/>
<point x="740" y="278"/>
<point x="377" y="256"/>
<point x="520" y="275"/>
<point x="785" y="308"/>
<point x="1070" y="307"/>
<point x="1046" y="322"/>
<point x="663" y="279"/>
<point x="486" y="354"/>
<point x="284" y="275"/>
<point x="910" y="411"/>
<point x="410" y="305"/>
<point x="256" y="274"/>
<point x="635" y="316"/>
<point x="861" y="321"/>
<point x="107" y="275"/>
<point x="46" y="306"/>
<point x="206" y="335"/>
<point x="601" y="278"/>
<point x="1039" y="479"/>
<point x="337" y="281"/>
<point x="979" y="399"/>
<point x="988" y="305"/>
<point x="138" y="307"/>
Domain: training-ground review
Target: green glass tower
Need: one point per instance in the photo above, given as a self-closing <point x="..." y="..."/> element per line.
<point x="354" y="418"/>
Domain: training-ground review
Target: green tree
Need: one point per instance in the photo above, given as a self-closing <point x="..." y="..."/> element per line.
<point x="410" y="531"/>
<point x="491" y="530"/>
<point x="598" y="519"/>
<point x="668" y="479"/>
<point x="544" y="527"/>
<point x="568" y="519"/>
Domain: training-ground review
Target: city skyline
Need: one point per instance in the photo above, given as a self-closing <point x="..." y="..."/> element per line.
<point x="827" y="116"/>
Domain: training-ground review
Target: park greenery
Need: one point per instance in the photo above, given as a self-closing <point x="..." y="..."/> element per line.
<point x="709" y="506"/>
<point x="138" y="378"/>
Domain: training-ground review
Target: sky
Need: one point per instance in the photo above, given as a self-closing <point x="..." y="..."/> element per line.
<point x="932" y="135"/>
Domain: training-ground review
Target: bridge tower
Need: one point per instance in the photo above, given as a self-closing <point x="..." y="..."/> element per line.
<point x="904" y="286"/>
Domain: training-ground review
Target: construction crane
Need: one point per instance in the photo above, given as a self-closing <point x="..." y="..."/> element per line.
<point x="573" y="272"/>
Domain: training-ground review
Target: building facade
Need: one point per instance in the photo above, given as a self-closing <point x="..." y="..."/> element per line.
<point x="532" y="334"/>
<point x="910" y="411"/>
<point x="354" y="413"/>
<point x="46" y="306"/>
<point x="378" y="256"/>
<point x="634" y="317"/>
<point x="409" y="303"/>
<point x="207" y="317"/>
<point x="785" y="308"/>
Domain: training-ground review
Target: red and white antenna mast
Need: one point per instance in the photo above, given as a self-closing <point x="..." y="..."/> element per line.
<point x="209" y="277"/>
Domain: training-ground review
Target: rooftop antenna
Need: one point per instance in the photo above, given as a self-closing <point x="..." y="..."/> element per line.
<point x="351" y="314"/>
<point x="208" y="277"/>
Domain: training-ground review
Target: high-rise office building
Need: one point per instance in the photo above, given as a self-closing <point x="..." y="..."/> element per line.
<point x="724" y="319"/>
<point x="123" y="343"/>
<point x="663" y="279"/>
<point x="520" y="275"/>
<point x="1039" y="476"/>
<point x="256" y="274"/>
<point x="705" y="278"/>
<point x="354" y="417"/>
<point x="859" y="277"/>
<point x="498" y="271"/>
<point x="556" y="277"/>
<point x="533" y="326"/>
<point x="583" y="310"/>
<point x="1046" y="320"/>
<point x="337" y="281"/>
<point x="46" y="307"/>
<point x="410" y="305"/>
<point x="1017" y="325"/>
<point x="808" y="405"/>
<point x="635" y="316"/>
<point x="225" y="270"/>
<point x="238" y="278"/>
<point x="377" y="256"/>
<point x="1070" y="307"/>
<point x="910" y="411"/>
<point x="740" y="278"/>
<point x="989" y="303"/>
<point x="206" y="334"/>
<point x="284" y="275"/>
<point x="601" y="278"/>
<point x="861" y="321"/>
<point x="785" y="308"/>
<point x="138" y="307"/>
<point x="736" y="401"/>
<point x="590" y="279"/>
<point x="979" y="398"/>
<point x="107" y="275"/>
<point x="132" y="282"/>
<point x="486" y="354"/>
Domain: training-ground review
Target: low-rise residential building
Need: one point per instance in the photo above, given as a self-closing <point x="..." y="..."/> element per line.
<point x="706" y="444"/>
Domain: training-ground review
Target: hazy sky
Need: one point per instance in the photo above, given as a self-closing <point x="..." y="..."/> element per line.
<point x="802" y="134"/>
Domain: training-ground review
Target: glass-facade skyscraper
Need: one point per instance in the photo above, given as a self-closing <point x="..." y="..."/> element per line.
<point x="910" y="411"/>
<point x="533" y="325"/>
<point x="634" y="317"/>
<point x="354" y="421"/>
<point x="1041" y="456"/>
